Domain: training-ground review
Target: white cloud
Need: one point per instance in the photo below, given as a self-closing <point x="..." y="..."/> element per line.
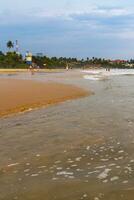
<point x="91" y="10"/>
<point x="70" y="26"/>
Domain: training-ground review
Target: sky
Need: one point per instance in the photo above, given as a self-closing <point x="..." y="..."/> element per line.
<point x="71" y="28"/>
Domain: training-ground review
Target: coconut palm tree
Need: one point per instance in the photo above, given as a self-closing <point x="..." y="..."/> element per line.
<point x="10" y="44"/>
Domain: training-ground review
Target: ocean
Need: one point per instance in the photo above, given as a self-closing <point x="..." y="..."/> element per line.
<point x="79" y="149"/>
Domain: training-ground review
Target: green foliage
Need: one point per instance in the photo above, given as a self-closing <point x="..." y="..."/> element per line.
<point x="46" y="62"/>
<point x="12" y="60"/>
<point x="10" y="44"/>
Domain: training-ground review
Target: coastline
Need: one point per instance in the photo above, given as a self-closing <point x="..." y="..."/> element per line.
<point x="5" y="71"/>
<point x="23" y="95"/>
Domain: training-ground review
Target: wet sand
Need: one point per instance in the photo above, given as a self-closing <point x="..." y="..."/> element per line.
<point x="21" y="95"/>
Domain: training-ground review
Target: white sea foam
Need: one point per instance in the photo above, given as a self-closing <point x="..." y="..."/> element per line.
<point x="105" y="181"/>
<point x="87" y="148"/>
<point x="104" y="159"/>
<point x="129" y="168"/>
<point x="64" y="173"/>
<point x="121" y="151"/>
<point x="102" y="74"/>
<point x="93" y="172"/>
<point x="74" y="165"/>
<point x="100" y="167"/>
<point x="104" y="174"/>
<point x="115" y="178"/>
<point x="92" y="77"/>
<point x="78" y="159"/>
<point x="124" y="182"/>
<point x="34" y="175"/>
<point x="40" y="167"/>
<point x="12" y="165"/>
<point x="26" y="170"/>
<point x="59" y="168"/>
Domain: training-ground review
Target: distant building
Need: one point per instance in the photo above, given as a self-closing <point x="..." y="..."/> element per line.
<point x="17" y="46"/>
<point x="39" y="54"/>
<point x="130" y="65"/>
<point x="118" y="61"/>
<point x="28" y="58"/>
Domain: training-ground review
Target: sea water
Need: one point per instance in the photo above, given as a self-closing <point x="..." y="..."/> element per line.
<point x="79" y="149"/>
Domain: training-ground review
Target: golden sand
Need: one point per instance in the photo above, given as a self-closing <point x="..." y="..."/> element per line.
<point x="10" y="71"/>
<point x="21" y="95"/>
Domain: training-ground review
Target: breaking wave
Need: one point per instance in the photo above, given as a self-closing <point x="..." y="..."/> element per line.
<point x="102" y="74"/>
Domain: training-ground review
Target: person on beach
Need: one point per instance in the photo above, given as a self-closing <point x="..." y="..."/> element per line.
<point x="31" y="69"/>
<point x="108" y="69"/>
<point x="38" y="67"/>
<point x="28" y="58"/>
<point x="67" y="67"/>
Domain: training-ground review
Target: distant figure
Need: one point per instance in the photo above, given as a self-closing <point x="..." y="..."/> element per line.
<point x="67" y="67"/>
<point x="108" y="69"/>
<point x="31" y="69"/>
<point x="28" y="58"/>
<point x="37" y="68"/>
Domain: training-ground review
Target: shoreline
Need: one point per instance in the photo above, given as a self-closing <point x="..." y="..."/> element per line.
<point x="5" y="71"/>
<point x="24" y="95"/>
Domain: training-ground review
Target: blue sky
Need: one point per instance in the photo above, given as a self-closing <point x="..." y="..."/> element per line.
<point x="72" y="28"/>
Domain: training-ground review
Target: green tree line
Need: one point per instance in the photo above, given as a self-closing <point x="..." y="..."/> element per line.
<point x="13" y="59"/>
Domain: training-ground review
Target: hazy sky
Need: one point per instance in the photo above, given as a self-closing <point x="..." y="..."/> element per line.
<point x="76" y="28"/>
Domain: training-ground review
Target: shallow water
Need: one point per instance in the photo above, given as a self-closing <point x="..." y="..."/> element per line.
<point x="79" y="149"/>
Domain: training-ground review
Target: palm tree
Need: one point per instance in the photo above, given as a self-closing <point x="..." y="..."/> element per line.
<point x="10" y="44"/>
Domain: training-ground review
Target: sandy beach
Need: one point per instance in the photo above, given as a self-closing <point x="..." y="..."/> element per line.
<point x="21" y="95"/>
<point x="8" y="70"/>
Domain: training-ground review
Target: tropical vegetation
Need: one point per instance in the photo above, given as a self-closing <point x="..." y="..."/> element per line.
<point x="13" y="59"/>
